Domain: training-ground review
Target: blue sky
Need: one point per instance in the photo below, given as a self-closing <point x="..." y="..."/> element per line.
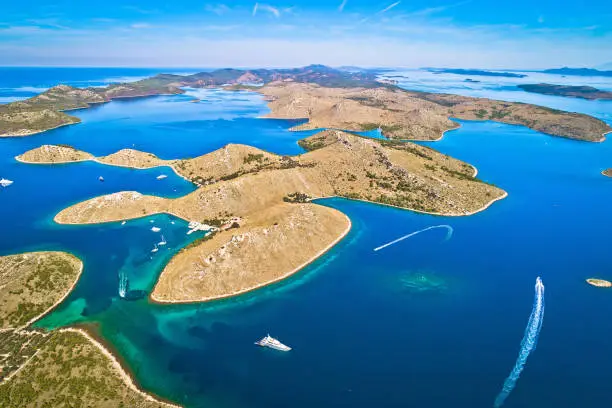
<point x="415" y="33"/>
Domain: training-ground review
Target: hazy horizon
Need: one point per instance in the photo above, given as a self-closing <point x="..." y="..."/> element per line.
<point x="602" y="67"/>
<point x="460" y="34"/>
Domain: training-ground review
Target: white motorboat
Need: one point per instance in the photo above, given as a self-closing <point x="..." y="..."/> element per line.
<point x="272" y="343"/>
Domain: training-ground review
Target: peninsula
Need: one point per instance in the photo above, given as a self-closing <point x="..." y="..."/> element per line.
<point x="584" y="92"/>
<point x="58" y="368"/>
<point x="279" y="229"/>
<point x="330" y="97"/>
<point x="607" y="172"/>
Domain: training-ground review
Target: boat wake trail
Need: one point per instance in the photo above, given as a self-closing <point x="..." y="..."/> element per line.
<point x="530" y="340"/>
<point x="449" y="234"/>
<point x="123" y="285"/>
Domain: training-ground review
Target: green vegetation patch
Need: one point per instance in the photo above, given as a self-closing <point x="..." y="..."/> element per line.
<point x="32" y="283"/>
<point x="69" y="371"/>
<point x="297" y="198"/>
<point x="258" y="158"/>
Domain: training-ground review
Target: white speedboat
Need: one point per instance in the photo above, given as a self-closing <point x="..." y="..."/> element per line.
<point x="5" y="183"/>
<point x="155" y="229"/>
<point x="272" y="343"/>
<point x="161" y="177"/>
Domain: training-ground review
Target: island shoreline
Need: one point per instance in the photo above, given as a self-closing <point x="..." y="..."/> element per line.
<point x="97" y="160"/>
<point x="321" y="253"/>
<point x="268" y="283"/>
<point x="37" y="132"/>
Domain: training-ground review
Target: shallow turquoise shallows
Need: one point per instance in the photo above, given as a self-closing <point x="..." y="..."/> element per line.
<point x="433" y="321"/>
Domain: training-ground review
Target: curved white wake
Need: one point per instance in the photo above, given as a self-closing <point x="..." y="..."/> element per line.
<point x="530" y="340"/>
<point x="449" y="234"/>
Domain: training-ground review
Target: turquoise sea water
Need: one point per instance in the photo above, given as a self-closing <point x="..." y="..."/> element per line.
<point x="362" y="334"/>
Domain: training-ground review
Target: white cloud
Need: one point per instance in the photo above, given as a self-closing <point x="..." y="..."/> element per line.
<point x="266" y="7"/>
<point x="435" y="10"/>
<point x="218" y="9"/>
<point x="221" y="27"/>
<point x="104" y="20"/>
<point x="140" y="25"/>
<point x="141" y="10"/>
<point x="383" y="11"/>
<point x="22" y="30"/>
<point x="389" y="7"/>
<point x="48" y="22"/>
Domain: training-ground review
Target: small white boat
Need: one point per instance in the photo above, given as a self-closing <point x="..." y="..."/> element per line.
<point x="155" y="249"/>
<point x="124" y="222"/>
<point x="5" y="183"/>
<point x="155" y="229"/>
<point x="272" y="343"/>
<point x="161" y="177"/>
<point x="162" y="242"/>
<point x="101" y="178"/>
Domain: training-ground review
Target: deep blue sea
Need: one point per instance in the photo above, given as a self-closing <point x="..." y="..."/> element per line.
<point x="428" y="322"/>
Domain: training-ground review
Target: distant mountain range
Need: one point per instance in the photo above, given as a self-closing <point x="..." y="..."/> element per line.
<point x="479" y="72"/>
<point x="578" y="72"/>
<point x="318" y="74"/>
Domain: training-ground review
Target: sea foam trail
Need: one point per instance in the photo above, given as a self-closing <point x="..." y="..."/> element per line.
<point x="123" y="285"/>
<point x="530" y="340"/>
<point x="449" y="234"/>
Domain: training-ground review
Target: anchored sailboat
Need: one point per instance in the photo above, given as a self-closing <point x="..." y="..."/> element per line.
<point x="155" y="249"/>
<point x="162" y="242"/>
